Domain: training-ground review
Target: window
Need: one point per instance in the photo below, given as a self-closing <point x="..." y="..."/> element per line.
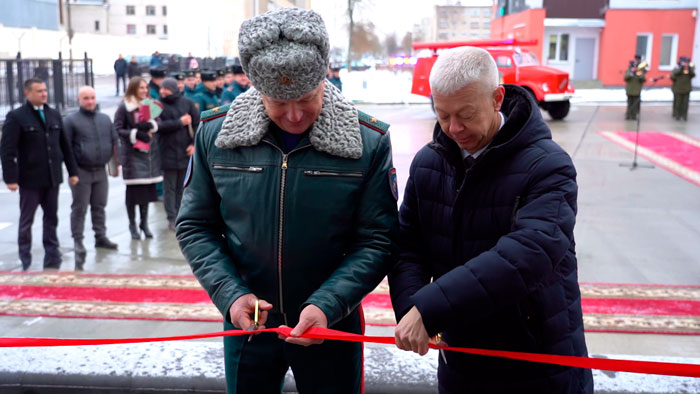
<point x="487" y="25"/>
<point x="165" y="29"/>
<point x="443" y="23"/>
<point x="97" y="25"/>
<point x="503" y="62"/>
<point x="474" y="25"/>
<point x="130" y="10"/>
<point x="669" y="51"/>
<point x="486" y="13"/>
<point x="165" y="10"/>
<point x="643" y="47"/>
<point x="130" y="29"/>
<point x="475" y="12"/>
<point x="150" y="10"/>
<point x="150" y="29"/>
<point x="558" y="47"/>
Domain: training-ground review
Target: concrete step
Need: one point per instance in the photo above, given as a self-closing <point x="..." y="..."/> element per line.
<point x="197" y="367"/>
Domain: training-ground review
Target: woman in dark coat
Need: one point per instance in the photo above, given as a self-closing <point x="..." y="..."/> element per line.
<point x="140" y="166"/>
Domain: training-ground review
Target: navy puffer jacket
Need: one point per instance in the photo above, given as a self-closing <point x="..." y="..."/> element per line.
<point x="498" y="243"/>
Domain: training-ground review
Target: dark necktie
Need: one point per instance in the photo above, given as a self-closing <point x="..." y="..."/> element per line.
<point x="41" y="114"/>
<point x="469" y="162"/>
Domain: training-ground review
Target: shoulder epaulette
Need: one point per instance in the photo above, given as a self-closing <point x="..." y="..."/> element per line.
<point x="372" y="122"/>
<point x="214" y="113"/>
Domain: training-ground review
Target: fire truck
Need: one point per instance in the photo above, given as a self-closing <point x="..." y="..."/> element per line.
<point x="549" y="86"/>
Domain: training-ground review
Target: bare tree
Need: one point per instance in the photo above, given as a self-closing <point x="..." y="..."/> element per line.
<point x="351" y="29"/>
<point x="407" y="43"/>
<point x="391" y="46"/>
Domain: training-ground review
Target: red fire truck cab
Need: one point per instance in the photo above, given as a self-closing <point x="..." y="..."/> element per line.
<point x="549" y="86"/>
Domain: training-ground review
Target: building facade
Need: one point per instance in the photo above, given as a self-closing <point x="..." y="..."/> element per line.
<point x="594" y="40"/>
<point x="461" y="22"/>
<point x="45" y="15"/>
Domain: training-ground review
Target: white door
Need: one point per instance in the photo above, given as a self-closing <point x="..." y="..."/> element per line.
<point x="585" y="54"/>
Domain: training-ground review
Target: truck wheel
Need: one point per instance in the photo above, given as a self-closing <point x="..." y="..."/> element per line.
<point x="558" y="109"/>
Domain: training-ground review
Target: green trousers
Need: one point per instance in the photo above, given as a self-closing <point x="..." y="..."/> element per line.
<point x="633" y="103"/>
<point x="680" y="105"/>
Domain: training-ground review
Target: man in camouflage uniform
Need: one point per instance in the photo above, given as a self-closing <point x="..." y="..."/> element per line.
<point x="681" y="77"/>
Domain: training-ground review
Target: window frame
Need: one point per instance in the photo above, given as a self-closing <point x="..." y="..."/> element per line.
<point x="164" y="10"/>
<point x="674" y="52"/>
<point x="97" y="26"/>
<point x="650" y="44"/>
<point x="150" y="10"/>
<point x="127" y="29"/>
<point x="557" y="48"/>
<point x="151" y="28"/>
<point x="131" y="8"/>
<point x="165" y="30"/>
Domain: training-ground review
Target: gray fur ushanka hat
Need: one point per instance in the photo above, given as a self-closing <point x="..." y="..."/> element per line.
<point x="284" y="52"/>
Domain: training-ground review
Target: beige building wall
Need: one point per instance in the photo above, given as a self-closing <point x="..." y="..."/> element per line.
<point x="461" y="23"/>
<point x="120" y="20"/>
<point x="87" y="17"/>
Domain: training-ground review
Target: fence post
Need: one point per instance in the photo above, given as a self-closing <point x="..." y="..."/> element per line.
<point x="58" y="88"/>
<point x="20" y="77"/>
<point x="85" y="69"/>
<point x="10" y="83"/>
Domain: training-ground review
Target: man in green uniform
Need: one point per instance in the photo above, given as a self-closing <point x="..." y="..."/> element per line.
<point x="681" y="77"/>
<point x="208" y="99"/>
<point x="179" y="77"/>
<point x="334" y="78"/>
<point x="634" y="81"/>
<point x="228" y="77"/>
<point x="190" y="84"/>
<point x="220" y="81"/>
<point x="157" y="76"/>
<point x="240" y="84"/>
<point x="289" y="202"/>
<point x="199" y="87"/>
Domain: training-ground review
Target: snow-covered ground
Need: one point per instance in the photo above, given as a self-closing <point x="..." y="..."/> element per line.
<point x="389" y="87"/>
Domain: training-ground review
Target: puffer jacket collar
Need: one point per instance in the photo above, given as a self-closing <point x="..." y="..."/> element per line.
<point x="524" y="125"/>
<point x="336" y="131"/>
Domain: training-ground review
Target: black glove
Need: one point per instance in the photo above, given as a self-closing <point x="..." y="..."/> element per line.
<point x="144" y="126"/>
<point x="143" y="136"/>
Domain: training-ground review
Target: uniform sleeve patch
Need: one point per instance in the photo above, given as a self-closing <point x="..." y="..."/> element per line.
<point x="188" y="174"/>
<point x="393" y="184"/>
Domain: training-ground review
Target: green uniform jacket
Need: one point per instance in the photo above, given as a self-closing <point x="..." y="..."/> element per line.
<point x="634" y="83"/>
<point x="317" y="225"/>
<point x="207" y="100"/>
<point x="681" y="81"/>
<point x="190" y="93"/>
<point x="230" y="94"/>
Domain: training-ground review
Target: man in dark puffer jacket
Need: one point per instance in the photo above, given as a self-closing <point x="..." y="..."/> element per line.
<point x="488" y="215"/>
<point x="176" y="127"/>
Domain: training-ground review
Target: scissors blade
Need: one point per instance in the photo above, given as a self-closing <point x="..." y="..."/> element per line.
<point x="256" y="317"/>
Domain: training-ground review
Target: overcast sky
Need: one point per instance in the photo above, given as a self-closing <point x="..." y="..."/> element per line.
<point x="388" y="16"/>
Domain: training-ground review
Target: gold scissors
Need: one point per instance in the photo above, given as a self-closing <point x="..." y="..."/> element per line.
<point x="256" y="318"/>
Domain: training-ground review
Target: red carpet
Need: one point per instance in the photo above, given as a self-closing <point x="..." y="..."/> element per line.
<point x="675" y="152"/>
<point x="607" y="307"/>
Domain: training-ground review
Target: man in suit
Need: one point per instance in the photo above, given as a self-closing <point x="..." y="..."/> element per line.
<point x="32" y="148"/>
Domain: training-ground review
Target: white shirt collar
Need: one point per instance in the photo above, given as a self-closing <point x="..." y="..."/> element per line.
<point x="38" y="107"/>
<point x="476" y="154"/>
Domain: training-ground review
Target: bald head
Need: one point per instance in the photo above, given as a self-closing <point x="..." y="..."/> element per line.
<point x="87" y="98"/>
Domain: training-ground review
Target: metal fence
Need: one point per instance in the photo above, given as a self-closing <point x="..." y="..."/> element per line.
<point x="63" y="77"/>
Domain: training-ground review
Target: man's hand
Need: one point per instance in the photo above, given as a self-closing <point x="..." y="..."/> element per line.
<point x="190" y="150"/>
<point x="311" y="316"/>
<point x="13" y="187"/>
<point x="186" y="119"/>
<point x="410" y="333"/>
<point x="244" y="307"/>
<point x="73" y="180"/>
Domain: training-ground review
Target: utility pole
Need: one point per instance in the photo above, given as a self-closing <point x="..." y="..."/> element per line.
<point x="70" y="30"/>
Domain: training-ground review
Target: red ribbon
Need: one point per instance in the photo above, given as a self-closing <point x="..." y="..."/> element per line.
<point x="646" y="367"/>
